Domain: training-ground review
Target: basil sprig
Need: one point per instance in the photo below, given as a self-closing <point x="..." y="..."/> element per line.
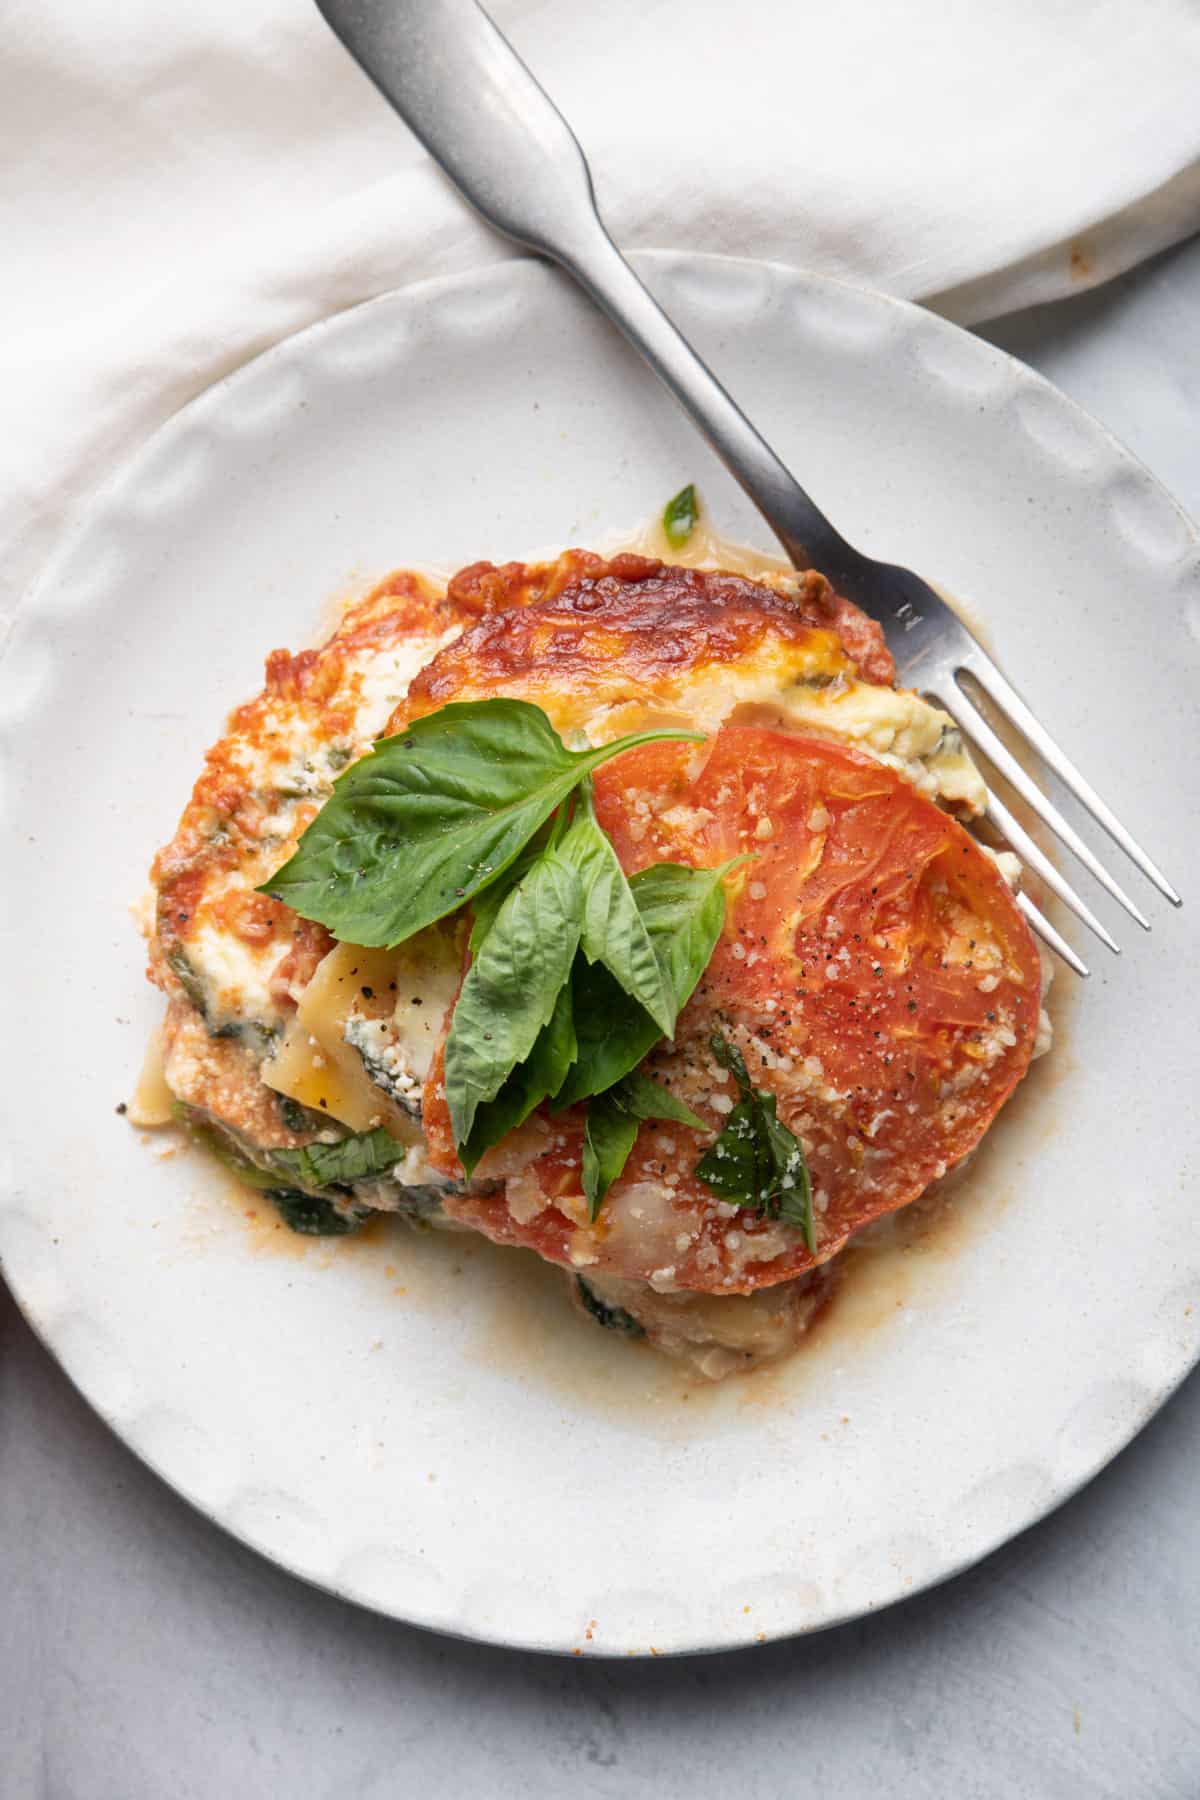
<point x="757" y="1162"/>
<point x="683" y="911"/>
<point x="576" y="971"/>
<point x="680" y="516"/>
<point x="590" y="1032"/>
<point x="538" y="1078"/>
<point x="511" y="990"/>
<point x="430" y="818"/>
<point x="614" y="932"/>
<point x="612" y="1126"/>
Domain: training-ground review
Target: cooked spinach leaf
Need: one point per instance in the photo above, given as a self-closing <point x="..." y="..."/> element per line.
<point x="309" y="1214"/>
<point x="312" y="1217"/>
<point x="299" y="1118"/>
<point x="180" y="966"/>
<point x="757" y="1162"/>
<point x="352" y="1159"/>
<point x="612" y="1318"/>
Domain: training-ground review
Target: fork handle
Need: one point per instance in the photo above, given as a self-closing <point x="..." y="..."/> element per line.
<point x="469" y="98"/>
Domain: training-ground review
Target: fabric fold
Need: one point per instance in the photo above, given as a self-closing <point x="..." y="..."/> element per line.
<point x="182" y="190"/>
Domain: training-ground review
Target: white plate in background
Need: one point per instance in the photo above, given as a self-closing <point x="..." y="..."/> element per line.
<point x="420" y="1423"/>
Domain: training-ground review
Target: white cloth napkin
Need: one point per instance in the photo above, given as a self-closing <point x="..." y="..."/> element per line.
<point x="182" y="186"/>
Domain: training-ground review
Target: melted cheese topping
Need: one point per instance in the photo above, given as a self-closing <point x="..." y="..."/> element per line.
<point x="808" y="686"/>
<point x="894" y="724"/>
<point x="810" y="691"/>
<point x="228" y="973"/>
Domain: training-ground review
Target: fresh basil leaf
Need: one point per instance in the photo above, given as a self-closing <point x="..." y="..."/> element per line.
<point x="683" y="911"/>
<point x="352" y="1159"/>
<point x="612" y="1126"/>
<point x="608" y="1136"/>
<point x="538" y="1078"/>
<point x="638" y="1095"/>
<point x="757" y="1163"/>
<point x="614" y="1034"/>
<point x="680" y="516"/>
<point x="511" y="989"/>
<point x="429" y="818"/>
<point x="792" y="1202"/>
<point x="487" y="903"/>
<point x="614" y="932"/>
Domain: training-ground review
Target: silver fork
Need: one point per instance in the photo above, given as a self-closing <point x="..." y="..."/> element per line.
<point x="479" y="112"/>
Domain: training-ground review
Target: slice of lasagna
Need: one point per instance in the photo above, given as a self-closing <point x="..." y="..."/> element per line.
<point x="869" y="1001"/>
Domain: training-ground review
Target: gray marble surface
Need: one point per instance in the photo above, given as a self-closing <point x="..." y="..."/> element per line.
<point x="145" y="1656"/>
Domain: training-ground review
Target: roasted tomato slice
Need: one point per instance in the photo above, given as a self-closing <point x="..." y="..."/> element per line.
<point x="874" y="971"/>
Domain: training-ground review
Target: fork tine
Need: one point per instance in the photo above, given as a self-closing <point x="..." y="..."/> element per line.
<point x="1035" y="857"/>
<point x="1009" y="701"/>
<point x="1040" y="923"/>
<point x="976" y="726"/>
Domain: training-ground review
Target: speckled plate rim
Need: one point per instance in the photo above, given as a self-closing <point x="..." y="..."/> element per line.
<point x="207" y="407"/>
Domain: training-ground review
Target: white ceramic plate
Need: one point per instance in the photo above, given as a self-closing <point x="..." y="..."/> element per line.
<point x="421" y="1424"/>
